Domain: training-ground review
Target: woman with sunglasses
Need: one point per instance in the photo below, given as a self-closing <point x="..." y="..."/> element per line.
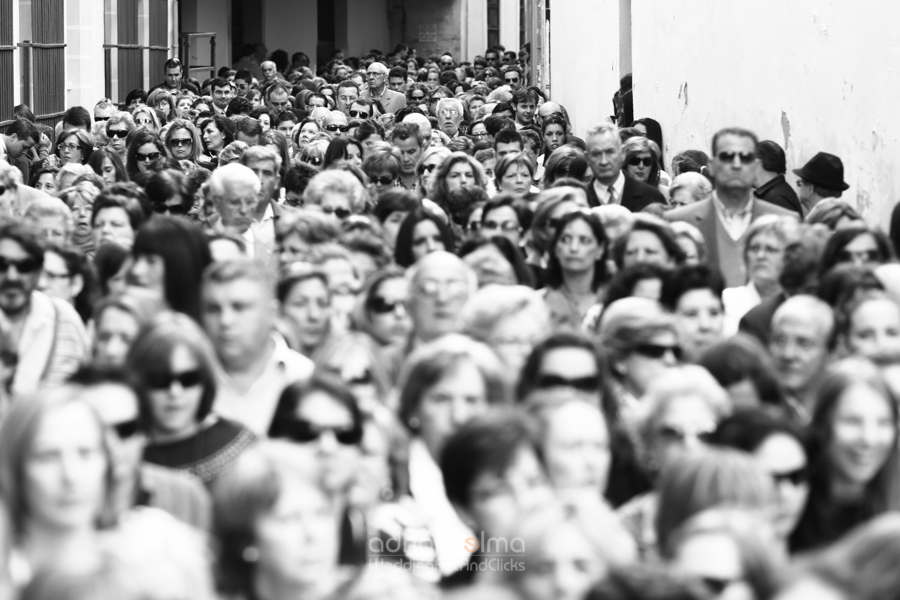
<point x="313" y="153"/>
<point x="428" y="165"/>
<point x="859" y="244"/>
<point x="183" y="141"/>
<point x="381" y="307"/>
<point x="641" y="160"/>
<point x="217" y="132"/>
<point x="146" y="117"/>
<point x="172" y="362"/>
<point x="117" y="129"/>
<point x="145" y="152"/>
<point x="304" y="134"/>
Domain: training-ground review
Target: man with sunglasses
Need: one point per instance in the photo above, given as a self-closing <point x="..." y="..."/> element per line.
<point x="45" y="335"/>
<point x="103" y="110"/>
<point x="384" y="99"/>
<point x="725" y="218"/>
<point x="175" y="80"/>
<point x="513" y="78"/>
<point x="336" y="125"/>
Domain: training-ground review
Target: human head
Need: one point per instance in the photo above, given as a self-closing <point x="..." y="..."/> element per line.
<point x="421" y="233"/>
<point x="688" y="188"/>
<point x="514" y="173"/>
<point x="569" y="252"/>
<point x="604" y="152"/>
<point x="734" y="164"/>
<point x="440" y="283"/>
<point x="234" y="189"/>
<point x="744" y="368"/>
<point x="801" y="340"/>
<point x="694" y="295"/>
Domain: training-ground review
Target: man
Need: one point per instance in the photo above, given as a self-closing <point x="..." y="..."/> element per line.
<point x="397" y="80"/>
<point x="513" y="78"/>
<point x="385" y="100"/>
<point x="446" y="63"/>
<point x="450" y="114"/>
<point x="801" y="342"/>
<point x="770" y="184"/>
<point x="362" y="109"/>
<point x="175" y="81"/>
<point x="234" y="190"/>
<point x="347" y="94"/>
<point x="42" y="339"/>
<point x="508" y="141"/>
<point x="478" y="67"/>
<point x="266" y="165"/>
<point x="278" y="97"/>
<point x="222" y="93"/>
<point x="270" y="74"/>
<point x="336" y="125"/>
<point x="20" y="137"/>
<point x="725" y="218"/>
<point x="238" y="313"/>
<point x="822" y="177"/>
<point x="103" y="110"/>
<point x="492" y="58"/>
<point x="243" y="82"/>
<point x="138" y="483"/>
<point x="409" y="142"/>
<point x="525" y="101"/>
<point x="423" y="123"/>
<point x="316" y="100"/>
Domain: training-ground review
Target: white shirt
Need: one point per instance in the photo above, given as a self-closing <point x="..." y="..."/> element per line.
<point x="603" y="190"/>
<point x="738" y="301"/>
<point x="735" y="223"/>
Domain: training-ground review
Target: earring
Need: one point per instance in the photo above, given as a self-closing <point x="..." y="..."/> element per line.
<point x="250" y="554"/>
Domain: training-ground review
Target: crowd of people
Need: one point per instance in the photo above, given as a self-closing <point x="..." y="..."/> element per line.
<point x="393" y="327"/>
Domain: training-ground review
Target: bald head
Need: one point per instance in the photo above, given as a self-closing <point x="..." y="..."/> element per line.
<point x="807" y="309"/>
<point x="423" y="123"/>
<point x="549" y="108"/>
<point x="801" y="340"/>
<point x="440" y="285"/>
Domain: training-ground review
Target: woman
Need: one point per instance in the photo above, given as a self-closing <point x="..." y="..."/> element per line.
<point x="117" y="215"/>
<point x="305" y="305"/>
<point x="649" y="240"/>
<point x="264" y="117"/>
<point x="421" y="233"/>
<point x="108" y="164"/>
<point x="172" y="362"/>
<point x="553" y="130"/>
<point x="112" y="261"/>
<point x="744" y="368"/>
<point x="67" y="274"/>
<point x="314" y="153"/>
<point x="853" y="455"/>
<point x="183" y="141"/>
<point x="456" y="171"/>
<point x="43" y="179"/>
<point x="514" y="173"/>
<point x="343" y="149"/>
<point x="861" y="245"/>
<point x="551" y="206"/>
<point x="381" y="307"/>
<point x="277" y="143"/>
<point x="164" y="102"/>
<point x="427" y="167"/>
<point x="643" y="280"/>
<point x="872" y="326"/>
<point x="496" y="260"/>
<point x="80" y="200"/>
<point x="217" y="132"/>
<point x="170" y="255"/>
<point x="55" y="479"/>
<point x="505" y="216"/>
<point x="304" y="134"/>
<point x="565" y="161"/>
<point x="117" y="320"/>
<point x="691" y="241"/>
<point x="183" y="102"/>
<point x="641" y="161"/>
<point x="651" y="129"/>
<point x="694" y="295"/>
<point x="382" y="171"/>
<point x="73" y="147"/>
<point x="834" y="213"/>
<point x="576" y="274"/>
<point x="145" y="152"/>
<point x="391" y="209"/>
<point x="763" y="252"/>
<point x="689" y="188"/>
<point x="169" y="193"/>
<point x="117" y="129"/>
<point x="145" y="117"/>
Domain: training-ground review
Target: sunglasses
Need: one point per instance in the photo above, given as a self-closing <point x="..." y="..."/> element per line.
<point x="117" y="133"/>
<point x="382" y="307"/>
<point x="341" y="128"/>
<point x="24" y="266"/>
<point x="647" y="161"/>
<point x="515" y="80"/>
<point x="146" y="157"/>
<point x="127" y="429"/>
<point x="428" y="168"/>
<point x="163" y="381"/>
<point x="305" y="432"/>
<point x="175" y="209"/>
<point x="311" y="160"/>
<point x="658" y="350"/>
<point x="381" y="180"/>
<point x="180" y="142"/>
<point x="728" y="157"/>
<point x="417" y="99"/>
<point x="585" y="384"/>
<point x="98" y="119"/>
<point x="796" y="477"/>
<point x="340" y="213"/>
<point x="359" y="114"/>
<point x="862" y="255"/>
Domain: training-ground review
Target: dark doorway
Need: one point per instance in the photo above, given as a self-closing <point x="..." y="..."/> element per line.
<point x="246" y="25"/>
<point x="327" y="38"/>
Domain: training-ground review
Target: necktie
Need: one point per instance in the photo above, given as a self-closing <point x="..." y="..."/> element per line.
<point x="612" y="194"/>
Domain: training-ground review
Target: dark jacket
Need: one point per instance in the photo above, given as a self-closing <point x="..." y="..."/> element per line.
<point x="778" y="192"/>
<point x="635" y="195"/>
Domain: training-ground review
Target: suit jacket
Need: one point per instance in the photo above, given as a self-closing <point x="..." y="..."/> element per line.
<point x="635" y="195"/>
<point x="702" y="215"/>
<point x="777" y="191"/>
<point x="391" y="101"/>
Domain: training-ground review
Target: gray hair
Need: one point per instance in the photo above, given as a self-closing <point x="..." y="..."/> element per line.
<point x="340" y="182"/>
<point x="230" y="175"/>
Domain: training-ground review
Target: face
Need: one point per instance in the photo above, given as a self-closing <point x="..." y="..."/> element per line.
<point x="604" y="154"/>
<point x="112" y="226"/>
<point x="510" y="148"/>
<point x="336" y="204"/>
<point x="143" y="119"/>
<point x="173" y="77"/>
<point x="380" y="182"/>
<point x="714" y="558"/>
<point x="65" y="469"/>
<point x="863" y="434"/>
<point x="782" y="457"/>
<point x="490" y="266"/>
<point x="449" y="117"/>
<point x="433" y="78"/>
<point x="213" y="138"/>
<point x="682" y="197"/>
<point x="146" y="157"/>
<point x="222" y="96"/>
<point x="429" y="169"/>
<point x="55" y="279"/>
<point x="346" y="97"/>
<point x="237" y="316"/>
<point x="51" y="229"/>
<point x="516" y="180"/>
<point x="577" y="248"/>
<point x="115" y="331"/>
<point x="554" y="137"/>
<point x="336" y="125"/>
<point x="874" y="328"/>
<point x="19" y="278"/>
<point x="525" y="111"/>
<point x="115" y="142"/>
<point x="237" y="206"/>
<point x="47" y="184"/>
<point x="645" y="363"/>
<point x="117" y="404"/>
<point x="375" y="79"/>
<point x="639" y="166"/>
<point x="149" y="271"/>
<point x="268" y="178"/>
<point x="308" y="305"/>
<point x="398" y="84"/>
<point x="175" y="393"/>
<point x="799" y="347"/>
<point x="182" y="106"/>
<point x="684" y="424"/>
<point x="279" y="101"/>
<point x="336" y="461"/>
<point x="417" y="97"/>
<point x="566" y="567"/>
<point x="489" y="167"/>
<point x="307" y="132"/>
<point x="503" y="221"/>
<point x="862" y="251"/>
<point x="426" y="239"/>
<point x="734" y="165"/>
<point x="460" y="175"/>
<point x="70" y="152"/>
<point x="387" y="311"/>
<point x="699" y="317"/>
<point x="576" y="448"/>
<point x="765" y="258"/>
<point x="438" y="297"/>
<point x="265" y="122"/>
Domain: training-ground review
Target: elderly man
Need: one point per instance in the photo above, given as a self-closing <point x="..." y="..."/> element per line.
<point x="822" y="177"/>
<point x="270" y="74"/>
<point x="450" y="113"/>
<point x="103" y="110"/>
<point x="410" y="143"/>
<point x="801" y="342"/>
<point x="440" y="283"/>
<point x="725" y="218"/>
<point x="238" y="313"/>
<point x="336" y="124"/>
<point x="385" y="100"/>
<point x="609" y="184"/>
<point x="234" y="190"/>
<point x="278" y="97"/>
<point x="266" y="165"/>
<point x="423" y="123"/>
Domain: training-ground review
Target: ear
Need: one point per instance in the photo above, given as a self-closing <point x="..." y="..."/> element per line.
<point x="77" y="285"/>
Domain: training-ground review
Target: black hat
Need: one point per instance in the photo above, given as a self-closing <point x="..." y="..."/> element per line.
<point x="825" y="170"/>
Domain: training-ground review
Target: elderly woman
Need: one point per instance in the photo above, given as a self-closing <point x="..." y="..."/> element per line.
<point x="80" y="200"/>
<point x="313" y="153"/>
<point x="691" y="241"/>
<point x="336" y="193"/>
<point x="117" y="129"/>
<point x="51" y="218"/>
<point x="649" y="240"/>
<point x="514" y="173"/>
<point x="689" y="188"/>
<point x="763" y="251"/>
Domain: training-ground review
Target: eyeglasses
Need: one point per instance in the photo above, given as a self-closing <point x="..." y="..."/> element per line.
<point x="483" y="134"/>
<point x="311" y="160"/>
<point x="340" y="213"/>
<point x="658" y="350"/>
<point x="646" y="161"/>
<point x="453" y="288"/>
<point x="728" y="157"/>
<point x="127" y="429"/>
<point x="381" y="180"/>
<point x="796" y="477"/>
<point x="138" y="156"/>
<point x="180" y="142"/>
<point x="117" y="133"/>
<point x="341" y="128"/>
<point x="429" y="168"/>
<point x="71" y="147"/>
<point x="359" y="114"/>
<point x="507" y="226"/>
<point x="305" y="432"/>
<point x="23" y="266"/>
<point x="449" y="112"/>
<point x="163" y="381"/>
<point x="590" y="383"/>
<point x="382" y="307"/>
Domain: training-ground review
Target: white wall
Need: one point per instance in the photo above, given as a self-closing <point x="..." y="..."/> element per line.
<point x="84" y="54"/>
<point x="509" y="24"/>
<point x="584" y="59"/>
<point x="367" y="26"/>
<point x="810" y="74"/>
<point x="208" y="16"/>
<point x="292" y="25"/>
<point x="474" y="28"/>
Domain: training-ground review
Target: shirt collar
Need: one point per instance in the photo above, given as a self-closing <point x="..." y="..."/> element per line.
<point x="730" y="213"/>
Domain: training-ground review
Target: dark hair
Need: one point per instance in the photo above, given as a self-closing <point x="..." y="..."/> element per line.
<point x="24" y="130"/>
<point x="554" y="269"/>
<point x="742" y="358"/>
<point x="298" y="176"/>
<point x="771" y="156"/>
<point x="398" y="72"/>
<point x="370" y="127"/>
<point x="294" y="394"/>
<point x="239" y="105"/>
<point x="523" y="213"/>
<point x="167" y="184"/>
<point x="127" y="196"/>
<point x="135" y="95"/>
<point x="136" y="139"/>
<point x="565" y="162"/>
<point x="247" y="126"/>
<point x="403" y="248"/>
<point x="224" y="125"/>
<point x="185" y="253"/>
<point x="507" y="136"/>
<point x="404" y="131"/>
<point x="285" y="116"/>
<point x="738" y="131"/>
<point x="624" y="281"/>
<point x="531" y="370"/>
<point x="85" y="142"/>
<point x="462" y="201"/>
<point x="494" y="124"/>
<point x="834" y="249"/>
<point x="522" y="94"/>
<point x="488" y="443"/>
<point x="393" y="200"/>
<point x="509" y="251"/>
<point x="688" y="278"/>
<point x="337" y="150"/>
<point x="22" y="111"/>
<point x="746" y="429"/>
<point x="99" y="155"/>
<point x="24" y="236"/>
<point x="108" y="261"/>
<point x="78" y="116"/>
<point x="662" y="231"/>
